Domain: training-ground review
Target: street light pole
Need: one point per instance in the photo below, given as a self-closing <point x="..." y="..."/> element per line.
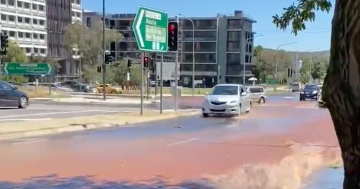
<point x="193" y="53"/>
<point x="277" y="60"/>
<point x="244" y="54"/>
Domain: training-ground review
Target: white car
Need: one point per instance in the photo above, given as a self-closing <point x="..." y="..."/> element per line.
<point x="230" y="99"/>
<point x="257" y="94"/>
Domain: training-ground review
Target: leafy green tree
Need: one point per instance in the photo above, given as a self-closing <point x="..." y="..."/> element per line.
<point x="14" y="54"/>
<point x="341" y="85"/>
<point x="88" y="42"/>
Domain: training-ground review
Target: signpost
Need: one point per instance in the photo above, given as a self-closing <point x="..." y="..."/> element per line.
<point x="150" y="29"/>
<point x="151" y="33"/>
<point x="39" y="68"/>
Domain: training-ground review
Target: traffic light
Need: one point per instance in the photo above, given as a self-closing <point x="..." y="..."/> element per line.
<point x="98" y="69"/>
<point x="290" y="72"/>
<point x="152" y="65"/>
<point x="109" y="59"/>
<point x="129" y="63"/>
<point x="146" y="62"/>
<point x="173" y="30"/>
<point x="4" y="44"/>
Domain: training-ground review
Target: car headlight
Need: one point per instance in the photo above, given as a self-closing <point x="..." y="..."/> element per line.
<point x="206" y="101"/>
<point x="314" y="92"/>
<point x="233" y="102"/>
<point x="302" y="92"/>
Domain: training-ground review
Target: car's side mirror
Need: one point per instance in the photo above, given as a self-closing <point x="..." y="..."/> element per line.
<point x="15" y="88"/>
<point x="243" y="94"/>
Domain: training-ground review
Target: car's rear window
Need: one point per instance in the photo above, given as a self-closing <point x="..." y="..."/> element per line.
<point x="256" y="90"/>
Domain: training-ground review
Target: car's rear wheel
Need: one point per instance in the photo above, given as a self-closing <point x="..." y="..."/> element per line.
<point x="23" y="102"/>
<point x="262" y="100"/>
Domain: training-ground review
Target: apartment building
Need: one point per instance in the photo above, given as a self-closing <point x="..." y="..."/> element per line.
<point x="37" y="26"/>
<point x="222" y="45"/>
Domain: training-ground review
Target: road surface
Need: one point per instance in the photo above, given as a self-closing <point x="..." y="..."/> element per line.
<point x="38" y="112"/>
<point x="163" y="153"/>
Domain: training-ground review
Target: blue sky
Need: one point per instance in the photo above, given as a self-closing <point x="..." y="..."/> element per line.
<point x="315" y="38"/>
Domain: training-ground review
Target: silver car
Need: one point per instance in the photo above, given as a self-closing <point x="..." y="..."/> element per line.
<point x="231" y="99"/>
<point x="257" y="94"/>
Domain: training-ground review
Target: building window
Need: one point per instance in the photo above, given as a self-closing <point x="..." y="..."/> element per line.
<point x="233" y="46"/>
<point x="42" y="51"/>
<point x="36" y="50"/>
<point x="19" y="4"/>
<point x="73" y="13"/>
<point x="3" y="17"/>
<point x="200" y="36"/>
<point x="78" y="14"/>
<point x="34" y="6"/>
<point x="3" y="2"/>
<point x="203" y="24"/>
<point x="35" y="21"/>
<point x="27" y="21"/>
<point x="20" y="19"/>
<point x="41" y="7"/>
<point x="12" y="34"/>
<point x="234" y="36"/>
<point x="235" y="24"/>
<point x="11" y="18"/>
<point x="11" y="3"/>
<point x="27" y="5"/>
<point x="42" y="22"/>
<point x="42" y="36"/>
<point x="21" y="35"/>
<point x="199" y="47"/>
<point x="233" y="66"/>
<point x="78" y="2"/>
<point x="28" y="35"/>
<point x="35" y="36"/>
<point x="28" y="50"/>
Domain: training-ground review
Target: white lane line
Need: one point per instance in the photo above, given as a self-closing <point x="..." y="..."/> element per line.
<point x="39" y="119"/>
<point x="289" y="97"/>
<point x="182" y="142"/>
<point x="53" y="113"/>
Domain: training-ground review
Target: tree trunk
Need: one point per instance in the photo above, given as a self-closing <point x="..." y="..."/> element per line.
<point x="342" y="86"/>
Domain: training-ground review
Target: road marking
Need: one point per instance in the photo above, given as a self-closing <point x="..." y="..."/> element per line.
<point x="288" y="97"/>
<point x="53" y="113"/>
<point x="40" y="119"/>
<point x="181" y="142"/>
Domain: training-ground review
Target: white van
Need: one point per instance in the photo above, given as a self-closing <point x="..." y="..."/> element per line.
<point x="295" y="87"/>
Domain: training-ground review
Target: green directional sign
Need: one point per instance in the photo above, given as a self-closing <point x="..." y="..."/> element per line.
<point x="38" y="68"/>
<point x="150" y="29"/>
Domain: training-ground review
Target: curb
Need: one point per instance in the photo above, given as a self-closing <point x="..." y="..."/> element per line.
<point x="8" y="136"/>
<point x="54" y="102"/>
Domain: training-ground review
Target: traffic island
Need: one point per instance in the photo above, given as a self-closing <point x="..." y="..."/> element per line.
<point x="28" y="129"/>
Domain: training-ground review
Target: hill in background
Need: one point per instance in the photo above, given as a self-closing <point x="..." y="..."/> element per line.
<point x="306" y="54"/>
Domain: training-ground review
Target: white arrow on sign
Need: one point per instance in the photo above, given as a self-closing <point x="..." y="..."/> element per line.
<point x="138" y="28"/>
<point x="51" y="67"/>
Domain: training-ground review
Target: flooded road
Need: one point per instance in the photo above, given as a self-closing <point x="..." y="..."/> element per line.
<point x="172" y="153"/>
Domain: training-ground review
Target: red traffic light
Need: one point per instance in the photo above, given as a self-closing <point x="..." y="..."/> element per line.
<point x="171" y="27"/>
<point x="146" y="59"/>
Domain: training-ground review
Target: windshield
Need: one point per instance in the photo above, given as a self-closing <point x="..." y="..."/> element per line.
<point x="225" y="90"/>
<point x="311" y="87"/>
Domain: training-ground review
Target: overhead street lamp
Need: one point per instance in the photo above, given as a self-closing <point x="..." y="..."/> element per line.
<point x="193" y="52"/>
<point x="277" y="61"/>
<point x="243" y="55"/>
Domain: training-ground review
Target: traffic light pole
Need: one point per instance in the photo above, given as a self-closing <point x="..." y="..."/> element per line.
<point x="103" y="54"/>
<point x="176" y="71"/>
<point x="161" y="83"/>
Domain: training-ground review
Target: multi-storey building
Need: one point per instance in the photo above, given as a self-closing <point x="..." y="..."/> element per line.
<point x="37" y="26"/>
<point x="25" y="22"/>
<point x="222" y="45"/>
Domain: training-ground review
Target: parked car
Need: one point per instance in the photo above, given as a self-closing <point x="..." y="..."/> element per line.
<point x="59" y="87"/>
<point x="230" y="99"/>
<point x="11" y="97"/>
<point x="311" y="91"/>
<point x="257" y="94"/>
